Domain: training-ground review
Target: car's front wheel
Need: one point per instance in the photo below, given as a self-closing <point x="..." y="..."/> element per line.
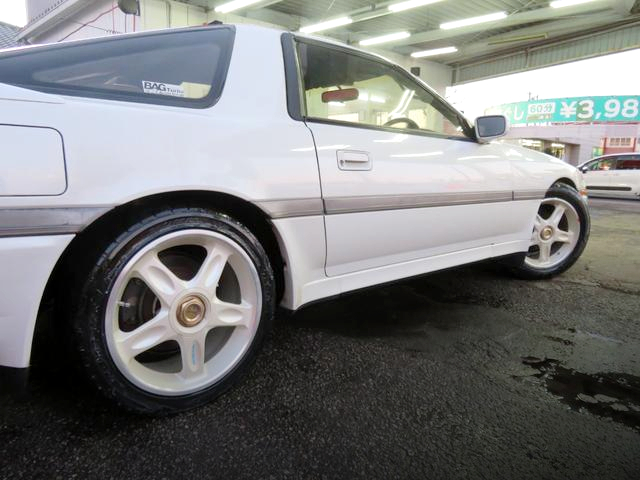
<point x="560" y="234"/>
<point x="174" y="310"/>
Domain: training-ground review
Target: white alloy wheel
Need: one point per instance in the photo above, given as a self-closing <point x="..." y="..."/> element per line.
<point x="183" y="312"/>
<point x="556" y="233"/>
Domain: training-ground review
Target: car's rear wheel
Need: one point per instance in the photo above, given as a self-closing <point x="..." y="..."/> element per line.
<point x="174" y="310"/>
<point x="560" y="234"/>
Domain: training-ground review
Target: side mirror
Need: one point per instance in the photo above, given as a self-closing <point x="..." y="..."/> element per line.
<point x="584" y="169"/>
<point x="490" y="127"/>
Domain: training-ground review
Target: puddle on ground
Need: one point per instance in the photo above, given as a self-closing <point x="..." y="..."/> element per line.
<point x="612" y="395"/>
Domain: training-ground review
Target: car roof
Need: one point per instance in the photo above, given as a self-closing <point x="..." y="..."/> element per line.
<point x="247" y="28"/>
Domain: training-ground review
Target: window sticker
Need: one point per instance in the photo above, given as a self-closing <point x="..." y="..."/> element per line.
<point x="159" y="88"/>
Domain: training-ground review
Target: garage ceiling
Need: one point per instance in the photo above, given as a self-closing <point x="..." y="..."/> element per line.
<point x="580" y="31"/>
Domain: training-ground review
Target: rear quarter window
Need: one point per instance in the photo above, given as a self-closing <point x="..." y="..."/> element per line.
<point x="629" y="162"/>
<point x="184" y="68"/>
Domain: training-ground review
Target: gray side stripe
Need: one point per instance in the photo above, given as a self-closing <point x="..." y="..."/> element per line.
<point x="56" y="220"/>
<point x="46" y="221"/>
<point x="300" y="207"/>
<point x="529" y="194"/>
<point x="393" y="202"/>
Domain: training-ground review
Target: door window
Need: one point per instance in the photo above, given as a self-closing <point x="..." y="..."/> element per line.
<point x="346" y="87"/>
<point x="603" y="165"/>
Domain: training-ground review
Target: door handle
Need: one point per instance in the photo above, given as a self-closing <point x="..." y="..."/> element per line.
<point x="353" y="160"/>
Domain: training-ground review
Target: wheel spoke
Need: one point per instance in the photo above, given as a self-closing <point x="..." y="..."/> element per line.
<point x="212" y="267"/>
<point x="563" y="237"/>
<point x="538" y="225"/>
<point x="545" y="251"/>
<point x="555" y="234"/>
<point x="557" y="215"/>
<point x="184" y="312"/>
<point x="535" y="238"/>
<point x="146" y="336"/>
<point x="232" y="314"/>
<point x="162" y="281"/>
<point x="192" y="350"/>
<point x="539" y="221"/>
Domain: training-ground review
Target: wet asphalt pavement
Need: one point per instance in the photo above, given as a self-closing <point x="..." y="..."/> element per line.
<point x="461" y="374"/>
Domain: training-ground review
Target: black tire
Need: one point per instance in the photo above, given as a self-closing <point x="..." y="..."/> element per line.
<point x="570" y="195"/>
<point x="88" y="315"/>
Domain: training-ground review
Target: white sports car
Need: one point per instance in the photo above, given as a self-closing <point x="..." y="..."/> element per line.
<point x="165" y="191"/>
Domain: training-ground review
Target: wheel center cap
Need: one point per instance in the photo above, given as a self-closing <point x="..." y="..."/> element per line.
<point x="546" y="233"/>
<point x="191" y="311"/>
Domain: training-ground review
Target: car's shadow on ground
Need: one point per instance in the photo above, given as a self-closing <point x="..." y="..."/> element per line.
<point x="406" y="309"/>
<point x="399" y="308"/>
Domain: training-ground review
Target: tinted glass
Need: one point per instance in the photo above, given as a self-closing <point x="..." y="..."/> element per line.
<point x="491" y="125"/>
<point x="629" y="162"/>
<point x="183" y="67"/>
<point x="347" y="87"/>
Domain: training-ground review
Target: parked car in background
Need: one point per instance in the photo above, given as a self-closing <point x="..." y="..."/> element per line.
<point x="163" y="192"/>
<point x="615" y="175"/>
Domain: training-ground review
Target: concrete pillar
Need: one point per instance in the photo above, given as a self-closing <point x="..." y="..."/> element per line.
<point x="573" y="154"/>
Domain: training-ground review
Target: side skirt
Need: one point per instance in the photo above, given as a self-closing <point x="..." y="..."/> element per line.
<point x="332" y="286"/>
<point x="509" y="260"/>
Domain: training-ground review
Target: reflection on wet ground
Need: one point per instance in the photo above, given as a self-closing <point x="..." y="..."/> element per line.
<point x="612" y="395"/>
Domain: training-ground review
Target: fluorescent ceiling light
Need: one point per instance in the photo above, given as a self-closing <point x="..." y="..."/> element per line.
<point x="474" y="21"/>
<point x="234" y="5"/>
<point x="405" y="100"/>
<point x="318" y="27"/>
<point x="567" y="3"/>
<point x="364" y="96"/>
<point x="435" y="51"/>
<point x="385" y="38"/>
<point x="399" y="7"/>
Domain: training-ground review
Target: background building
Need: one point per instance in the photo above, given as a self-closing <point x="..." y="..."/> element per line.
<point x="8" y="35"/>
<point x="575" y="129"/>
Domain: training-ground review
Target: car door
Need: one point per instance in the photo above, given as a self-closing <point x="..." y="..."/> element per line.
<point x="626" y="176"/>
<point x="401" y="178"/>
<point x="597" y="175"/>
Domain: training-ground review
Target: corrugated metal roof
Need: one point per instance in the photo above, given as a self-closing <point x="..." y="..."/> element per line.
<point x="531" y="34"/>
<point x="501" y="47"/>
<point x="8" y="35"/>
<point x="319" y="9"/>
<point x="418" y="19"/>
<point x="431" y="16"/>
<point x="625" y="38"/>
